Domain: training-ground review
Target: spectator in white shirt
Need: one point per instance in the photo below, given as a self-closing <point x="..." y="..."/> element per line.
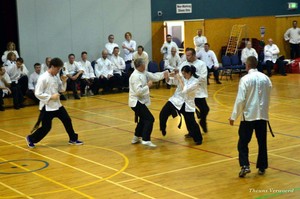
<point x="45" y="65"/>
<point x="4" y="86"/>
<point x="74" y="73"/>
<point x="11" y="47"/>
<point x="172" y="61"/>
<point x="271" y="52"/>
<point x="89" y="82"/>
<point x="247" y="52"/>
<point x="199" y="41"/>
<point x="110" y="45"/>
<point x="129" y="46"/>
<point x="47" y="91"/>
<point x="11" y="59"/>
<point x="118" y="66"/>
<point x="104" y="71"/>
<point x="252" y="103"/>
<point x="19" y="82"/>
<point x="140" y="53"/>
<point x="293" y="36"/>
<point x="211" y="61"/>
<point x="33" y="78"/>
<point x="167" y="46"/>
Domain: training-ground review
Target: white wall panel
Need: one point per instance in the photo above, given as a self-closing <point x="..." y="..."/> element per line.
<point x="57" y="28"/>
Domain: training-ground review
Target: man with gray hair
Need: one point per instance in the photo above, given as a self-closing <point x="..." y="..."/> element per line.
<point x="140" y="82"/>
<point x="247" y="52"/>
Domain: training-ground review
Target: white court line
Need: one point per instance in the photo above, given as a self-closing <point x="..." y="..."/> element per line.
<point x="15" y="190"/>
<point x="280" y="156"/>
<point x="98" y="177"/>
<point x="210" y="163"/>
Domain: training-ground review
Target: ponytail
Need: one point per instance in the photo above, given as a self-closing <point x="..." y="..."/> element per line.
<point x="190" y="69"/>
<point x="193" y="70"/>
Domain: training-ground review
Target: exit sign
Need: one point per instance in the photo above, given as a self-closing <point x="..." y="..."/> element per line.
<point x="292" y="5"/>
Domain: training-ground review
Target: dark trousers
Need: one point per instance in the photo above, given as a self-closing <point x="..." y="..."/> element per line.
<point x="17" y="94"/>
<point x="189" y="117"/>
<point x="270" y="65"/>
<point x="145" y="124"/>
<point x="92" y="83"/>
<point x="117" y="81"/>
<point x="47" y="117"/>
<point x="105" y="83"/>
<point x="1" y="98"/>
<point x="295" y="53"/>
<point x="166" y="111"/>
<point x="72" y="84"/>
<point x="191" y="124"/>
<point x="245" y="134"/>
<point x="23" y="82"/>
<point x="31" y="95"/>
<point x="203" y="109"/>
<point x="215" y="71"/>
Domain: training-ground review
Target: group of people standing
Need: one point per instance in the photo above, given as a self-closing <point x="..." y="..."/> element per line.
<point x="190" y="75"/>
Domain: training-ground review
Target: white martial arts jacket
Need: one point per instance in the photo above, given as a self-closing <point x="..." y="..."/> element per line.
<point x="46" y="86"/>
<point x="186" y="94"/>
<point x="138" y="88"/>
<point x="253" y="98"/>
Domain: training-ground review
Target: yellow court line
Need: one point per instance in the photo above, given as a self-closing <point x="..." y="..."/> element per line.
<point x="51" y="180"/>
<point x="75" y="168"/>
<point x="173" y="190"/>
<point x="15" y="190"/>
<point x="116" y="183"/>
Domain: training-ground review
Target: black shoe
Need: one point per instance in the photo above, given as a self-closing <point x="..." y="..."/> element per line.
<point x="164" y="132"/>
<point x="62" y="97"/>
<point x="203" y="126"/>
<point x="244" y="171"/>
<point x="218" y="82"/>
<point x="261" y="171"/>
<point x="187" y="136"/>
<point x="168" y="86"/>
<point x="198" y="143"/>
<point x="76" y="96"/>
<point x="283" y="74"/>
<point x="16" y="107"/>
<point x="2" y="108"/>
<point x="21" y="106"/>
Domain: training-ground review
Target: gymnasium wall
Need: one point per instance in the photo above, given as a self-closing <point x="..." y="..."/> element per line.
<point x="57" y="28"/>
<point x="211" y="9"/>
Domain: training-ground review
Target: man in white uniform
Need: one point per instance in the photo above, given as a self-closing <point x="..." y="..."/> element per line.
<point x="199" y="41"/>
<point x="110" y="45"/>
<point x="252" y="103"/>
<point x="32" y="82"/>
<point x="167" y="46"/>
<point x="247" y="52"/>
<point x="293" y="36"/>
<point x="47" y="88"/>
<point x="210" y="59"/>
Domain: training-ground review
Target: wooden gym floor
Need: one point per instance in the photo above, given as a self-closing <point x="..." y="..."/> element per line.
<point x="108" y="166"/>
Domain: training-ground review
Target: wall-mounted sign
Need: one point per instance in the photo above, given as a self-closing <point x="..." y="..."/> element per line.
<point x="183" y="8"/>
